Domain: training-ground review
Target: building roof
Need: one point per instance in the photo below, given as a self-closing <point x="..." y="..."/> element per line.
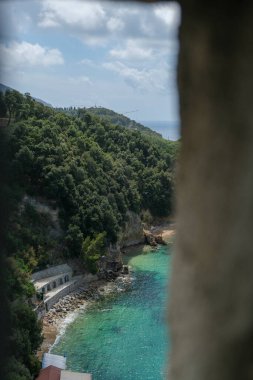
<point x="54" y="360"/>
<point x="50" y="373"/>
<point x="51" y="271"/>
<point x="68" y="375"/>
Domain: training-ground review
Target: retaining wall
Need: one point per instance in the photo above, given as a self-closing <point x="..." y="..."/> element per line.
<point x="64" y="292"/>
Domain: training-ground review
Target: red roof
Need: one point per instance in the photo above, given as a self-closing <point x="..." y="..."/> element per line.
<point x="49" y="373"/>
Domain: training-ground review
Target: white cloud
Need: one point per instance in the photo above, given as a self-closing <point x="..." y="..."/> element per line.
<point x="85" y="19"/>
<point x="24" y="54"/>
<point x="151" y="80"/>
<point x="139" y="45"/>
<point x="95" y="22"/>
<point x="88" y="62"/>
<point x="75" y="12"/>
<point x="170" y="15"/>
<point x="49" y="21"/>
<point x="115" y="24"/>
<point x="79" y="80"/>
<point x="132" y="51"/>
<point x="13" y="22"/>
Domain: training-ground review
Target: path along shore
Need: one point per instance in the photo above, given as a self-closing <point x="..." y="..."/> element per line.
<point x="65" y="311"/>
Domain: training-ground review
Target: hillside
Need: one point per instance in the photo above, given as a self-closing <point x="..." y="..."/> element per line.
<point x="4" y="88"/>
<point x="72" y="182"/>
<point x="110" y="117"/>
<point x="122" y="120"/>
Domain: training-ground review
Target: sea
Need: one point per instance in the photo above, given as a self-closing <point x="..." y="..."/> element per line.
<point x="125" y="336"/>
<point x="168" y="129"/>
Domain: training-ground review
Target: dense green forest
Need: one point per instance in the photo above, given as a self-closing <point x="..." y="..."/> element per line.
<point x="110" y="117"/>
<point x="89" y="170"/>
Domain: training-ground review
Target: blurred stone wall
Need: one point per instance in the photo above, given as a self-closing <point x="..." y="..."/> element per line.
<point x="211" y="309"/>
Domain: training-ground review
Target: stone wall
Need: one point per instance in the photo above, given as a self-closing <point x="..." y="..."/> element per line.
<point x="62" y="293"/>
<point x="81" y="280"/>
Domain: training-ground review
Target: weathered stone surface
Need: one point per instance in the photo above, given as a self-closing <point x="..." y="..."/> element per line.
<point x="212" y="284"/>
<point x="132" y="234"/>
<point x="152" y="239"/>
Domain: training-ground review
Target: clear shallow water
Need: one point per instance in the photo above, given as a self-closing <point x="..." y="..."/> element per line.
<point x="124" y="337"/>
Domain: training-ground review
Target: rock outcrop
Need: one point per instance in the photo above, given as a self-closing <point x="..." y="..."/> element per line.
<point x="132" y="233"/>
<point x="152" y="239"/>
<point x="110" y="266"/>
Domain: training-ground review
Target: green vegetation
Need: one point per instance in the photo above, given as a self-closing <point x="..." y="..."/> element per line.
<point x="92" y="250"/>
<point x="110" y="117"/>
<point x="122" y="120"/>
<point x="92" y="173"/>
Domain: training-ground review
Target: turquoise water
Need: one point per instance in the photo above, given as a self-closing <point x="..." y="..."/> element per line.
<point x="124" y="337"/>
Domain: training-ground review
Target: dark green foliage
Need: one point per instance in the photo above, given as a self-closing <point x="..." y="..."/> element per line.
<point x="74" y="239"/>
<point x="109" y="117"/>
<point x="30" y="238"/>
<point x="3" y="107"/>
<point x="92" y="250"/>
<point x="93" y="172"/>
<point x="15" y="370"/>
<point x="24" y="340"/>
<point x="118" y="119"/>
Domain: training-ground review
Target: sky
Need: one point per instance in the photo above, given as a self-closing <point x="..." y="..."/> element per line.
<point x="118" y="55"/>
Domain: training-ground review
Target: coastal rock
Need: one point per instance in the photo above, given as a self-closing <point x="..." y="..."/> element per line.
<point x="152" y="239"/>
<point x="132" y="233"/>
<point x="159" y="240"/>
<point x="125" y="269"/>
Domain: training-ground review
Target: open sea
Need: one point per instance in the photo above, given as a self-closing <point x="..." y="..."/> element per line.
<point x="169" y="130"/>
<point x="124" y="337"/>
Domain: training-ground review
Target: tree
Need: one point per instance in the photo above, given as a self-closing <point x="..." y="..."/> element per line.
<point x="92" y="250"/>
<point x="13" y="102"/>
<point x="74" y="240"/>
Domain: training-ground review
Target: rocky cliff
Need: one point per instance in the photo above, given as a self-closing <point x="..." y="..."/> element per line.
<point x="132" y="233"/>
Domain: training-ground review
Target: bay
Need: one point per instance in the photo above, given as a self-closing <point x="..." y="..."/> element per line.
<point x="124" y="337"/>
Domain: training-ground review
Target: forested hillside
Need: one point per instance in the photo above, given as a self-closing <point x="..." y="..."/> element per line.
<point x="92" y="173"/>
<point x="111" y="117"/>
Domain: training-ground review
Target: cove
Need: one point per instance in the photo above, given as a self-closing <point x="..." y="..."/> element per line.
<point x="125" y="336"/>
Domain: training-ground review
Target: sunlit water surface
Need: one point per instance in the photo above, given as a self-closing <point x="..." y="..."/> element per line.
<point x="125" y="336"/>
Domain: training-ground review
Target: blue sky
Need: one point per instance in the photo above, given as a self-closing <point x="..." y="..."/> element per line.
<point x="122" y="56"/>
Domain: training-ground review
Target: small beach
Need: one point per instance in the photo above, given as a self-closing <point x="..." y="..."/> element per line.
<point x="63" y="313"/>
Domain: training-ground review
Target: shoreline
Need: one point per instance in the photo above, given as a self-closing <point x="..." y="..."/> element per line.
<point x="167" y="230"/>
<point x="65" y="311"/>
